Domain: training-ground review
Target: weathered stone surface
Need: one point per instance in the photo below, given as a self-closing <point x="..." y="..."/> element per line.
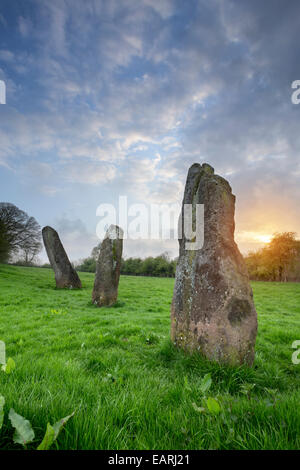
<point x="212" y="309"/>
<point x="65" y="274"/>
<point x="108" y="268"/>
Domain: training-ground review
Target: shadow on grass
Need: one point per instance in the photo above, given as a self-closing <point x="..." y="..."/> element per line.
<point x="118" y="304"/>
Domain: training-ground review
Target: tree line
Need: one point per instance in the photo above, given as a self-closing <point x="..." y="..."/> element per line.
<point x="20" y="242"/>
<point x="159" y="266"/>
<point x="278" y="261"/>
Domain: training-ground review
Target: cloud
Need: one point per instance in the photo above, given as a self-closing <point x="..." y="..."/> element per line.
<point x="6" y="55"/>
<point x="76" y="239"/>
<point x="107" y="86"/>
<point x="3" y="20"/>
<point x="25" y="26"/>
<point x="88" y="172"/>
<point x="145" y="248"/>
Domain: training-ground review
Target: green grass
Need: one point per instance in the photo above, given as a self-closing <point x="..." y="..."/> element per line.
<point x="130" y="387"/>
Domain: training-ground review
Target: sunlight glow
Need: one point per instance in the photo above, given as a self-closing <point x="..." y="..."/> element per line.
<point x="264" y="238"/>
<point x="254" y="237"/>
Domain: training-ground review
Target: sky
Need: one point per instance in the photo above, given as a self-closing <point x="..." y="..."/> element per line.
<point x="109" y="98"/>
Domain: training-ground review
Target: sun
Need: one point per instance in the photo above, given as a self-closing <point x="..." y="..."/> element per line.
<point x="264" y="238"/>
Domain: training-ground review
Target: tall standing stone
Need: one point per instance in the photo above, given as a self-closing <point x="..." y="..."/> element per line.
<point x="212" y="308"/>
<point x="65" y="274"/>
<point x="108" y="268"/>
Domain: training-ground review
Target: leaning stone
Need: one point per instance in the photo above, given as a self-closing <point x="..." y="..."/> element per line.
<point x="65" y="274"/>
<point x="212" y="309"/>
<point x="108" y="267"/>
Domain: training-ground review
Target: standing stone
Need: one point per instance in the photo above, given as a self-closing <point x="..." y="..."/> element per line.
<point x="212" y="309"/>
<point x="65" y="274"/>
<point x="108" y="267"/>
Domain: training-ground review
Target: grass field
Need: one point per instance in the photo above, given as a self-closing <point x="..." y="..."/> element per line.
<point x="130" y="387"/>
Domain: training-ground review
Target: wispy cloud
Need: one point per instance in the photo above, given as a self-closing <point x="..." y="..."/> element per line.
<point x="97" y="89"/>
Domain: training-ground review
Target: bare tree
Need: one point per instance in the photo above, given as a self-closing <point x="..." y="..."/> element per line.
<point x="4" y="245"/>
<point x="19" y="233"/>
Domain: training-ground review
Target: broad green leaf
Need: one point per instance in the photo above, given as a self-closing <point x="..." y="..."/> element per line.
<point x="206" y="383"/>
<point x="199" y="409"/>
<point x="2" y="402"/>
<point x="9" y="366"/>
<point x="48" y="440"/>
<point x="23" y="430"/>
<point x="213" y="406"/>
<point x="60" y="424"/>
<point x="2" y="353"/>
<point x="52" y="433"/>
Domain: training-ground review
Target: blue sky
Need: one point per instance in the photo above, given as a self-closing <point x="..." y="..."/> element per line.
<point x="120" y="97"/>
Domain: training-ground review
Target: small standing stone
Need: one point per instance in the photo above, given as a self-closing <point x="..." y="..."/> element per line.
<point x="108" y="267"/>
<point x="212" y="309"/>
<point x="65" y="274"/>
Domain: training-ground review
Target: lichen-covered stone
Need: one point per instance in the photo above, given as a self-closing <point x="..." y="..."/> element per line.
<point x="108" y="267"/>
<point x="212" y="308"/>
<point x="65" y="274"/>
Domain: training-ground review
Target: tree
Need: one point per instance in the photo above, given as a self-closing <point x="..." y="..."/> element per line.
<point x="19" y="234"/>
<point x="161" y="266"/>
<point x="278" y="261"/>
<point x="260" y="265"/>
<point x="282" y="251"/>
<point x="4" y="245"/>
<point x="89" y="264"/>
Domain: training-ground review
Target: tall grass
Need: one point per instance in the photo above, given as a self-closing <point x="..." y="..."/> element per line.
<point x="130" y="387"/>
